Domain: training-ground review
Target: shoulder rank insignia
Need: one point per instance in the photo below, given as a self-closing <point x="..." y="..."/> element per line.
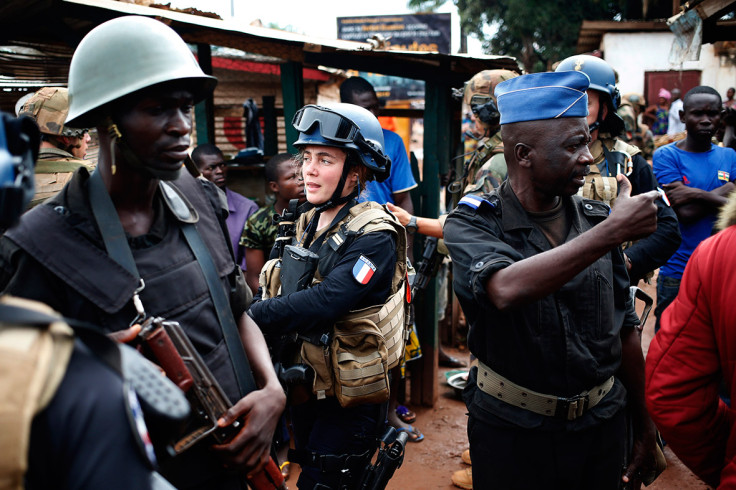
<point x="474" y="201"/>
<point x="363" y="270"/>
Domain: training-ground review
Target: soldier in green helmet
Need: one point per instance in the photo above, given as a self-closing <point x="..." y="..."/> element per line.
<point x="140" y="238"/>
<point x="62" y="148"/>
<point x="485" y="168"/>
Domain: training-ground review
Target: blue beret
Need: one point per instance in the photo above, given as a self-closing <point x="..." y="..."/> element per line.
<point x="543" y="96"/>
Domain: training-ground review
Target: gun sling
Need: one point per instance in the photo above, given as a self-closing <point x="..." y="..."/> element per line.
<point x="116" y="244"/>
<point x="571" y="408"/>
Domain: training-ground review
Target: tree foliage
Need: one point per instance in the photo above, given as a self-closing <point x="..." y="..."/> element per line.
<point x="537" y="32"/>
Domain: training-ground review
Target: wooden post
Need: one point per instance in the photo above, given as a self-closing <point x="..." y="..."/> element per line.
<point x="292" y="88"/>
<point x="437" y="150"/>
<point x="204" y="111"/>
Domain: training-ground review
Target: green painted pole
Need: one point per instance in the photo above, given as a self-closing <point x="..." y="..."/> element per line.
<point x="437" y="151"/>
<point x="292" y="88"/>
<point x="204" y="112"/>
<point x="270" y="131"/>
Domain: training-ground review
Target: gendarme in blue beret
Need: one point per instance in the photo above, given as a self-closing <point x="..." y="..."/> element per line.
<point x="547" y="95"/>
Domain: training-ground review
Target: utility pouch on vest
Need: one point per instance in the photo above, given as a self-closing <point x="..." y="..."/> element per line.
<point x="359" y="362"/>
<point x="269" y="281"/>
<point x="298" y="266"/>
<point x="599" y="188"/>
<point x="317" y="357"/>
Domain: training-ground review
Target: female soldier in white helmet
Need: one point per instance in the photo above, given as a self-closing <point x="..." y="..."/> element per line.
<point x="129" y="241"/>
<point x="349" y="319"/>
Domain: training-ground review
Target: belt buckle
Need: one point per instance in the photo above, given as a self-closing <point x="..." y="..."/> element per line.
<point x="573" y="407"/>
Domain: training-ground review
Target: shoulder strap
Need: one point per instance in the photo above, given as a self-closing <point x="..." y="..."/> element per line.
<point x="106" y="217"/>
<point x="239" y="359"/>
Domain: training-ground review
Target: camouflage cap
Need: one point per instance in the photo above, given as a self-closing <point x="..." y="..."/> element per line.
<point x="484" y="83"/>
<point x="49" y="107"/>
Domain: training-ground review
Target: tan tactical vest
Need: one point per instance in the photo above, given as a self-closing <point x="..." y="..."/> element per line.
<point x="366" y="343"/>
<point x="33" y="361"/>
<point x="602" y="188"/>
<point x="605" y="188"/>
<point x="53" y="170"/>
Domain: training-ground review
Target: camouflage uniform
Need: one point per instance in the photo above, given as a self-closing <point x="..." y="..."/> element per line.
<point x="54" y="169"/>
<point x="486" y="167"/>
<point x="49" y="108"/>
<point x="260" y="232"/>
<point x="636" y="134"/>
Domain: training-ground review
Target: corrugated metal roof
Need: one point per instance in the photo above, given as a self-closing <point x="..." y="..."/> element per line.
<point x="69" y="20"/>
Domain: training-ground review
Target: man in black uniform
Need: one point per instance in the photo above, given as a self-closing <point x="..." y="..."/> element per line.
<point x="612" y="156"/>
<point x="58" y="396"/>
<point x="543" y="284"/>
<point x="165" y="227"/>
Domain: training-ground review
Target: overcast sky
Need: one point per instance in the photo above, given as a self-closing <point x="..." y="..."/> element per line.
<point x="318" y="17"/>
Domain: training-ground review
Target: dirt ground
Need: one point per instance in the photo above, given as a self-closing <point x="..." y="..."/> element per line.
<point x="429" y="464"/>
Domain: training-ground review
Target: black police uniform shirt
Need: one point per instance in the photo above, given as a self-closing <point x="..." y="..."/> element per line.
<point x="562" y="344"/>
<point x="651" y="252"/>
<point x="97" y="290"/>
<point x="84" y="438"/>
<point x="319" y="306"/>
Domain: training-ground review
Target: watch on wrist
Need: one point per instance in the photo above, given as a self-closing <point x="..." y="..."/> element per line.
<point x="411" y="226"/>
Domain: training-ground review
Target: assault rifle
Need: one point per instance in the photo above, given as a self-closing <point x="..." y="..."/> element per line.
<point x="427" y="267"/>
<point x="286" y="223"/>
<point x="165" y="343"/>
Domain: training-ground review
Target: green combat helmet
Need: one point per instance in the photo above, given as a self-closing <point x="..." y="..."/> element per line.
<point x="49" y="108"/>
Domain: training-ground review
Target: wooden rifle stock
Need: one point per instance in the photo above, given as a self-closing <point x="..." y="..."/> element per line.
<point x="168" y="346"/>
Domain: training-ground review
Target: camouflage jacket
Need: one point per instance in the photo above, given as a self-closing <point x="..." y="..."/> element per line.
<point x="54" y="169"/>
<point x="486" y="167"/>
<point x="636" y="134"/>
<point x="260" y="232"/>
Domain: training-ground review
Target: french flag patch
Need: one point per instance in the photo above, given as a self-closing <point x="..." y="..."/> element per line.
<point x="363" y="270"/>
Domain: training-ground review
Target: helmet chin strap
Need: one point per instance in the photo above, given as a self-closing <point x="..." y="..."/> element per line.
<point x="597" y="123"/>
<point x="116" y="139"/>
<point x="599" y="120"/>
<point x="490" y="133"/>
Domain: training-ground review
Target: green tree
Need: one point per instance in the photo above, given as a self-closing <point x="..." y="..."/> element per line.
<point x="537" y="32"/>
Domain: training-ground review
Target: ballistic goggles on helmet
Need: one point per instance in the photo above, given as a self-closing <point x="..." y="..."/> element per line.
<point x="485" y="109"/>
<point x="332" y="126"/>
<point x="479" y="99"/>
